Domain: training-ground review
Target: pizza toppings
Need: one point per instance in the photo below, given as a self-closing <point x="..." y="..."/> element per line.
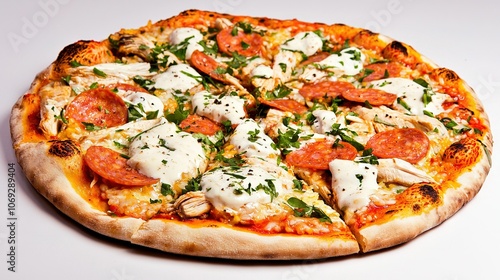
<point x="244" y="41"/>
<point x="98" y="108"/>
<point x="371" y="96"/>
<point x="318" y="154"/>
<point x="111" y="166"/>
<point x="325" y="89"/>
<point x="287" y="105"/>
<point x="408" y="144"/>
<point x="197" y="124"/>
<point x="219" y="108"/>
<point x="165" y="153"/>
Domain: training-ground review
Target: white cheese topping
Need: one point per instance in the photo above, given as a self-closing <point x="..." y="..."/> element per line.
<point x="148" y="102"/>
<point x="219" y="108"/>
<point x="324" y="121"/>
<point x="164" y="152"/>
<point x="233" y="188"/>
<point x="353" y="183"/>
<point x="306" y="42"/>
<point x="348" y="62"/>
<point x="180" y="77"/>
<point x="193" y="36"/>
<point x="411" y="94"/>
<point x="249" y="138"/>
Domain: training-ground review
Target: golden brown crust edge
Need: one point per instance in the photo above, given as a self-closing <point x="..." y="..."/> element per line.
<point x="401" y="230"/>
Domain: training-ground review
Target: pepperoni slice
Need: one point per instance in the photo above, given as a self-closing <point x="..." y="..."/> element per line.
<point x="408" y="144"/>
<point x="198" y="124"/>
<point x="375" y="97"/>
<point x="246" y="44"/>
<point x="111" y="166"/>
<point x="382" y="70"/>
<point x="100" y="107"/>
<point x="287" y="105"/>
<point x="325" y="88"/>
<point x="208" y="65"/>
<point x="318" y="154"/>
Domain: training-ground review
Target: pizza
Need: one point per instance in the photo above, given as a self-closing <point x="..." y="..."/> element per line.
<point x="243" y="137"/>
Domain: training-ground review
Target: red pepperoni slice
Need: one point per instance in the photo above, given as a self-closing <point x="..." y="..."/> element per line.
<point x="246" y="44"/>
<point x="287" y="105"/>
<point x="382" y="70"/>
<point x="375" y="97"/>
<point x="325" y="89"/>
<point x="111" y="166"/>
<point x="198" y="124"/>
<point x="408" y="144"/>
<point x="208" y="65"/>
<point x="100" y="107"/>
<point x="318" y="154"/>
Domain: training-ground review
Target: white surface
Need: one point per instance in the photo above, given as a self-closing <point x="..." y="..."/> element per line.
<point x="460" y="35"/>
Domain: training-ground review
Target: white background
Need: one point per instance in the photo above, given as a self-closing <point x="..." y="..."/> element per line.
<point x="460" y="35"/>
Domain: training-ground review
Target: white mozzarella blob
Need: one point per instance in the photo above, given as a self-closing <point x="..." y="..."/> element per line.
<point x="412" y="94"/>
<point x="353" y="183"/>
<point x="168" y="154"/>
<point x="233" y="188"/>
<point x="188" y="35"/>
<point x="249" y="138"/>
<point x="306" y="42"/>
<point x="180" y="77"/>
<point x="219" y="108"/>
<point x="149" y="102"/>
<point x="324" y="121"/>
<point x="348" y="62"/>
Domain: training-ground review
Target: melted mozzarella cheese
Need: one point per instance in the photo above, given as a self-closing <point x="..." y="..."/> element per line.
<point x="165" y="153"/>
<point x="180" y="77"/>
<point x="189" y="35"/>
<point x="324" y="121"/>
<point x="148" y="102"/>
<point x="411" y="93"/>
<point x="249" y="138"/>
<point x="234" y="188"/>
<point x="219" y="108"/>
<point x="353" y="183"/>
<point x="306" y="42"/>
<point x="348" y="62"/>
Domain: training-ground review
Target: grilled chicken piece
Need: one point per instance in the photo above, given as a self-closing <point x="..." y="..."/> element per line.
<point x="398" y="171"/>
<point x="54" y="97"/>
<point x="384" y="118"/>
<point x="133" y="44"/>
<point x="192" y="204"/>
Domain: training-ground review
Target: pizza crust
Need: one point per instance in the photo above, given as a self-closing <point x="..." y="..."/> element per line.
<point x="400" y="230"/>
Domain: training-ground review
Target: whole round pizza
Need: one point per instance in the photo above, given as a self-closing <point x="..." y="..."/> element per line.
<point x="240" y="137"/>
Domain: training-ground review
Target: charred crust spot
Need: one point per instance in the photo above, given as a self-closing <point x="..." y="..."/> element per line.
<point x="63" y="148"/>
<point x="416" y="207"/>
<point x="463" y="152"/>
<point x="70" y="51"/>
<point x="398" y="46"/>
<point x="446" y="74"/>
<point x="429" y="192"/>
